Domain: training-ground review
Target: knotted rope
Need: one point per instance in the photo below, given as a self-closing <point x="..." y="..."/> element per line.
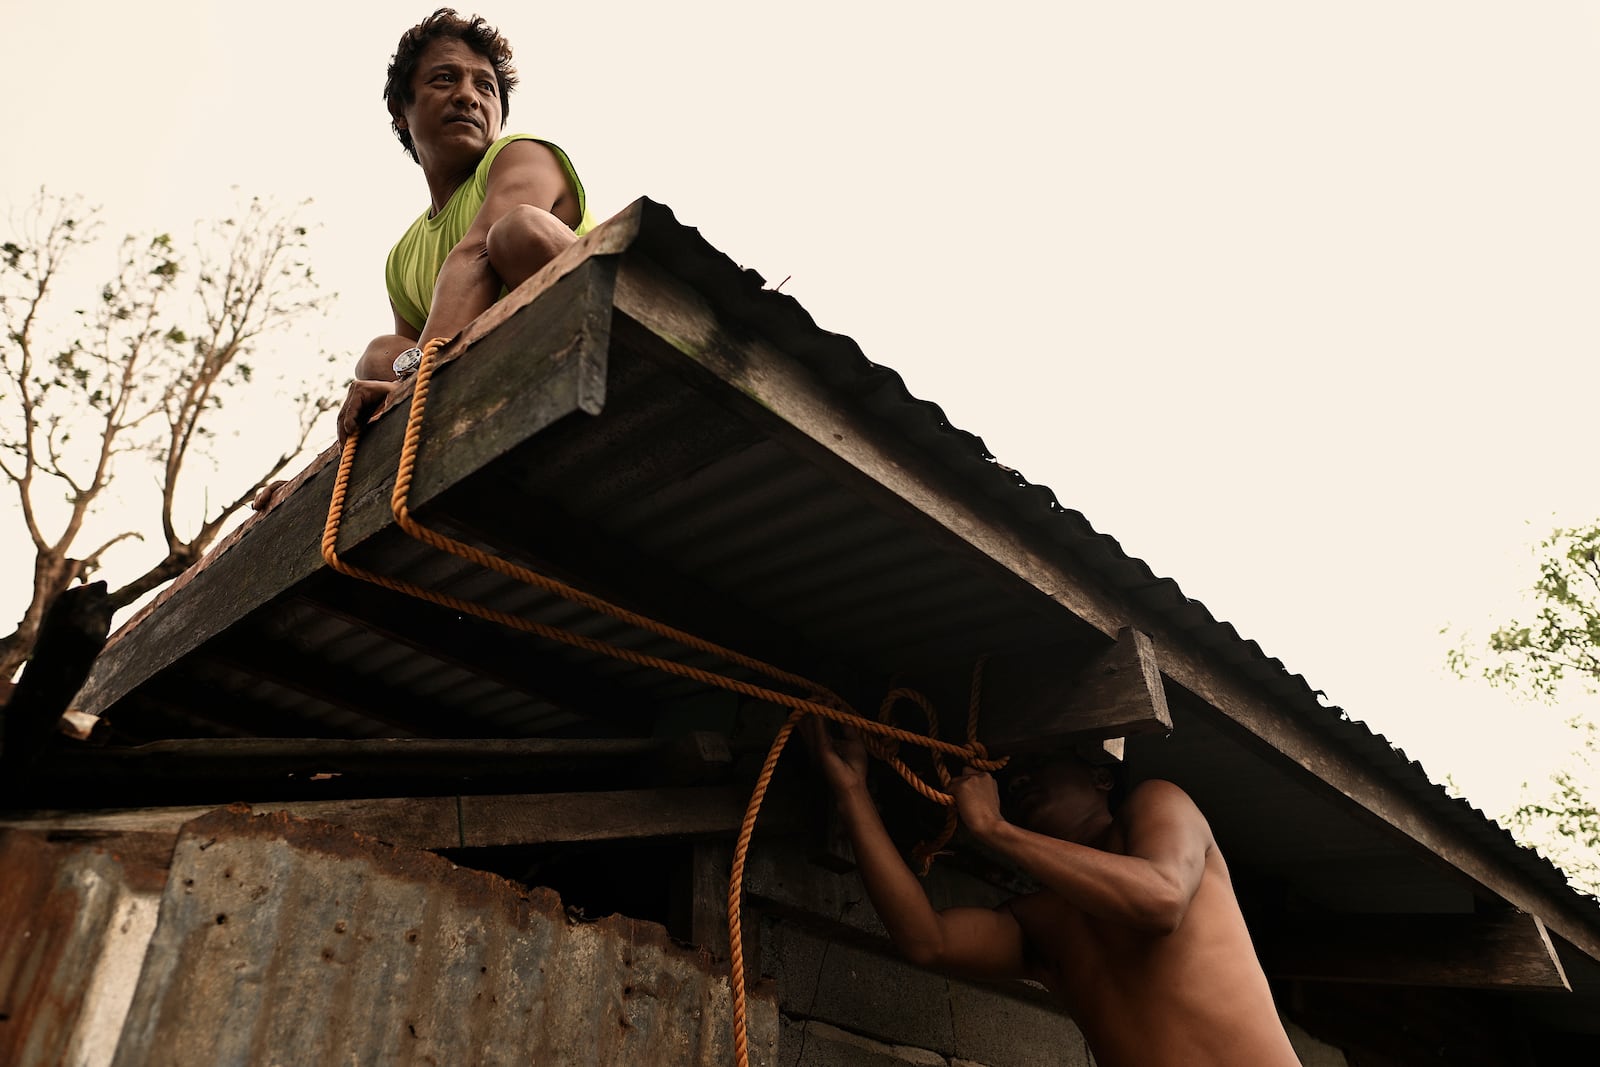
<point x="880" y="735"/>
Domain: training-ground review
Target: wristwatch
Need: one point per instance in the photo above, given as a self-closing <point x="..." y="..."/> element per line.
<point x="406" y="363"/>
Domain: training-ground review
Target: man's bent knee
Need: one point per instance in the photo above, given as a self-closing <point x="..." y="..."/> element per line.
<point x="523" y="240"/>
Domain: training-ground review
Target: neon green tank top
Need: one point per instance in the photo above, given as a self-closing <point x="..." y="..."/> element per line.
<point x="415" y="260"/>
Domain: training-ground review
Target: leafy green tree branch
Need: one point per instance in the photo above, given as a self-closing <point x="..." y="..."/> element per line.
<point x="1552" y="655"/>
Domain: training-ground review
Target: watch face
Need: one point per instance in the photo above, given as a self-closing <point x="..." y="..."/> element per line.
<point x="407" y="362"/>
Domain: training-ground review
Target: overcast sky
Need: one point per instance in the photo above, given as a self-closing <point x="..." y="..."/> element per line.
<point x="1296" y="301"/>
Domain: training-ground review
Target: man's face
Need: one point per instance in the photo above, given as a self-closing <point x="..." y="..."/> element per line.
<point x="1051" y="793"/>
<point x="454" y="115"/>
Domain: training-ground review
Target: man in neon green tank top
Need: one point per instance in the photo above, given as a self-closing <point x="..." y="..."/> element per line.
<point x="500" y="207"/>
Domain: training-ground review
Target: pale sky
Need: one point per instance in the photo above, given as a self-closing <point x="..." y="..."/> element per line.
<point x="1295" y="301"/>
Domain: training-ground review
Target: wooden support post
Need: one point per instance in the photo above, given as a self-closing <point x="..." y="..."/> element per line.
<point x="1503" y="950"/>
<point x="1037" y="699"/>
<point x="708" y="898"/>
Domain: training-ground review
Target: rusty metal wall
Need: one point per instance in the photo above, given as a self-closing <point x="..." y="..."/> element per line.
<point x="284" y="941"/>
<point x="74" y="922"/>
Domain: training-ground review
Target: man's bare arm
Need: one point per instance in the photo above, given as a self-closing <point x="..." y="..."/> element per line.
<point x="1149" y="888"/>
<point x="377" y="362"/>
<point x="524" y="173"/>
<point x="974" y="942"/>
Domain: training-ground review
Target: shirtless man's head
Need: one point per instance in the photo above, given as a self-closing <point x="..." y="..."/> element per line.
<point x="399" y="89"/>
<point x="1061" y="794"/>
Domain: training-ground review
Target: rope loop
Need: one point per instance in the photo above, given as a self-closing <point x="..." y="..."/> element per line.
<point x="881" y="735"/>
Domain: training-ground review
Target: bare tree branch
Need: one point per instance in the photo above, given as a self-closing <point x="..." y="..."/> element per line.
<point x="91" y="562"/>
<point x="127" y="378"/>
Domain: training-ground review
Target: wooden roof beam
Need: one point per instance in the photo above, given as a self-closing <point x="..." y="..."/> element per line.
<point x="1036" y="699"/>
<point x="459" y="821"/>
<point x="682" y="760"/>
<point x="1504" y="950"/>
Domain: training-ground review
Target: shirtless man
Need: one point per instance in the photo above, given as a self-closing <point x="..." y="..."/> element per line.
<point x="1136" y="933"/>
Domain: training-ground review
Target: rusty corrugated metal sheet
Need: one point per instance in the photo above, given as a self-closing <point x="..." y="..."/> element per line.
<point x="74" y="920"/>
<point x="284" y="941"/>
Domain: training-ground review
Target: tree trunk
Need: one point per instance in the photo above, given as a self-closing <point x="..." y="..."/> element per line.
<point x="52" y="573"/>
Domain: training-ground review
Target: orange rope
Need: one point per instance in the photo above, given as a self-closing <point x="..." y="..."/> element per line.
<point x="880" y="734"/>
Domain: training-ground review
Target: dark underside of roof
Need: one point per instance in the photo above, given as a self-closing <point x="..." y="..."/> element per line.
<point x="673" y="493"/>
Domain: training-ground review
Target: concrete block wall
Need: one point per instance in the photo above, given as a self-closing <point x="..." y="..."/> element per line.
<point x="843" y="1005"/>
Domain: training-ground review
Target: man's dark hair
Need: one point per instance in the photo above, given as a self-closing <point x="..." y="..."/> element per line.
<point x="475" y="33"/>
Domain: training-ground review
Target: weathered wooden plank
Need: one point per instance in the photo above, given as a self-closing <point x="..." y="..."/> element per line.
<point x="774" y="390"/>
<point x="1039" y="700"/>
<point x="455" y="822"/>
<point x="545" y="363"/>
<point x="398" y="820"/>
<point x="542" y="818"/>
<point x="690" y="757"/>
<point x="1510" y="950"/>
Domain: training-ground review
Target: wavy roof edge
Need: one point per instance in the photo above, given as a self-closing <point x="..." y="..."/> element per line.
<point x="741" y="294"/>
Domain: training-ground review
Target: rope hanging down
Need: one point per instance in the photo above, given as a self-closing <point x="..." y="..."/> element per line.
<point x="879" y="734"/>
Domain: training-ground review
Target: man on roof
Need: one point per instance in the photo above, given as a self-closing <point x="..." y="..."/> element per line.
<point x="500" y="206"/>
<point x="1136" y="931"/>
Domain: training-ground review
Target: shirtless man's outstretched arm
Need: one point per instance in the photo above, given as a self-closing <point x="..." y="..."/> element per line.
<point x="1137" y="931"/>
<point x="975" y="942"/>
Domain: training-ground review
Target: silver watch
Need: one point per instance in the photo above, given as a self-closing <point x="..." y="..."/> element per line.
<point x="406" y="363"/>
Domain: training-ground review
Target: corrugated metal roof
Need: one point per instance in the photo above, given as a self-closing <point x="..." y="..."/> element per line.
<point x="671" y="498"/>
<point x="283" y="941"/>
<point x="840" y="362"/>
